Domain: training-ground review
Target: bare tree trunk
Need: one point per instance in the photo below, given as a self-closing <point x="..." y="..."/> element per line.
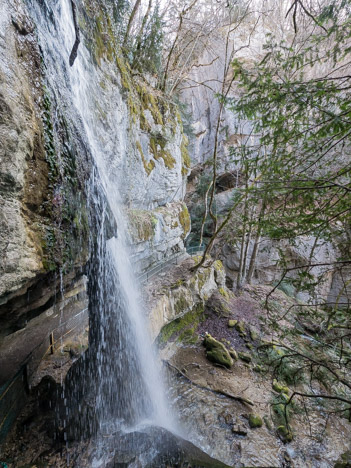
<point x="131" y="20"/>
<point x="141" y="32"/>
<point x="247" y="245"/>
<point x="256" y="244"/>
<point x="221" y="227"/>
<point x="168" y="62"/>
<point x="241" y="258"/>
<point x="205" y="215"/>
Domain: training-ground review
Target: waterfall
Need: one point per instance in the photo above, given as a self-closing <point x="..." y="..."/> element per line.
<point x="124" y="371"/>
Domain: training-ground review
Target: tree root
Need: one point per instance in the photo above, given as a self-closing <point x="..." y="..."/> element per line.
<point x="242" y="400"/>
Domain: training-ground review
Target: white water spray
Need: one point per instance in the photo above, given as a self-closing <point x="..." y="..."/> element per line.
<point x="82" y="83"/>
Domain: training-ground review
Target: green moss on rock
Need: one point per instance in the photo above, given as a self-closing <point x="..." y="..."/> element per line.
<point x="344" y="461"/>
<point x="223" y="292"/>
<point x="216" y="352"/>
<point x="183" y="328"/>
<point x="148" y="165"/>
<point x="255" y="421"/>
<point x="280" y="388"/>
<point x="203" y="277"/>
<point x="284" y="434"/>
<point x="126" y="78"/>
<point x="150" y="101"/>
<point x="218" y="266"/>
<point x="186" y="162"/>
<point x="233" y="354"/>
<point x="267" y="423"/>
<point x="157" y="148"/>
<point x="184" y="219"/>
<point x="245" y="357"/>
<point x="253" y="334"/>
<point x="141" y="225"/>
<point x="240" y="327"/>
<point x="218" y="304"/>
<point x="181" y="305"/>
<point x="232" y="323"/>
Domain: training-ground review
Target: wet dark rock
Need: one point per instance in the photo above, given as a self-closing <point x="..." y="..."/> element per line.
<point x="159" y="448"/>
<point x="74" y="52"/>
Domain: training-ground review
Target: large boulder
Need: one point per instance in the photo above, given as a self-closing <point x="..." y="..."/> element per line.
<point x="217" y="352"/>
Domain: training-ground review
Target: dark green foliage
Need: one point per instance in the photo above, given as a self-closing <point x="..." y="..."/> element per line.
<point x="146" y="51"/>
<point x="284" y="368"/>
<point x="300" y="109"/>
<point x="305" y="127"/>
<point x="120" y="8"/>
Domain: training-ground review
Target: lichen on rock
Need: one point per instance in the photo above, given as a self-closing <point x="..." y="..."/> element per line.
<point x="184" y="219"/>
<point x="142" y="224"/>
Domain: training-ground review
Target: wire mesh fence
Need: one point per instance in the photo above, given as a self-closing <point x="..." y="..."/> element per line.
<point x="13" y="394"/>
<point x="12" y="397"/>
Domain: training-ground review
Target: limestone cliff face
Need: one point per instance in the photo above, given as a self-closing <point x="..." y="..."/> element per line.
<point x="47" y="174"/>
<point x="204" y="82"/>
<point x="24" y="171"/>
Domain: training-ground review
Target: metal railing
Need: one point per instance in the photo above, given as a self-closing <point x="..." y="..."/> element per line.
<point x="13" y="394"/>
<point x="160" y="267"/>
<point x="196" y="250"/>
<point x="174" y="260"/>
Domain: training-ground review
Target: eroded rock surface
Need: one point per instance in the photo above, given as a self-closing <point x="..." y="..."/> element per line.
<point x="233" y="413"/>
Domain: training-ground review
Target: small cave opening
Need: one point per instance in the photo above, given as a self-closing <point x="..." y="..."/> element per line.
<point x="227" y="181"/>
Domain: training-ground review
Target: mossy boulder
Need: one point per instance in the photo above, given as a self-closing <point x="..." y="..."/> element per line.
<point x="245" y="357"/>
<point x="216" y="352"/>
<point x="253" y="334"/>
<point x="255" y="421"/>
<point x="182" y="329"/>
<point x="232" y="323"/>
<point x="280" y="388"/>
<point x="240" y="327"/>
<point x="285" y="435"/>
<point x="218" y="304"/>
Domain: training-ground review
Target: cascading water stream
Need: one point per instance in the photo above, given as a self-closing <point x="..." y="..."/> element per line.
<point x="139" y="340"/>
<point x="127" y="381"/>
